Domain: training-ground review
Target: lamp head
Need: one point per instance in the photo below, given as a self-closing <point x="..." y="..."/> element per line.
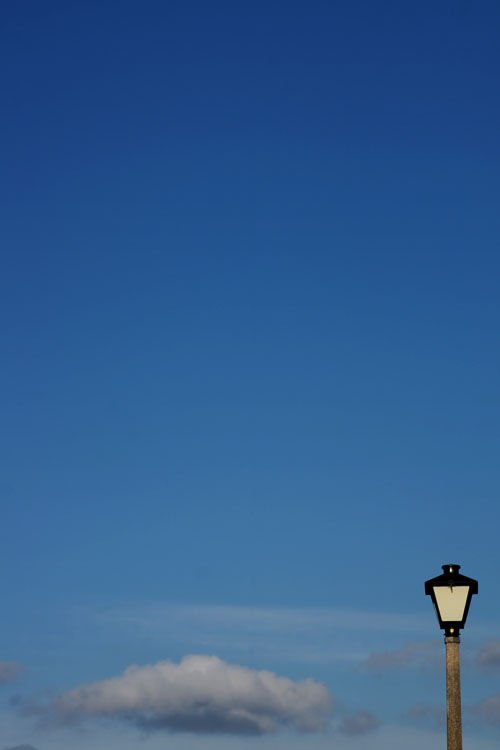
<point x="451" y="594"/>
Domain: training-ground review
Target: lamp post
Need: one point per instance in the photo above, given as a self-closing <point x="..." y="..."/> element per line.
<point x="451" y="594"/>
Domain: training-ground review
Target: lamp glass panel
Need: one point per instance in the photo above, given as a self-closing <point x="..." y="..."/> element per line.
<point x="451" y="601"/>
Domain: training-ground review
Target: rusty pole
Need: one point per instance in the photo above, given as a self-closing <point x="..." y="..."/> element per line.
<point x="453" y="700"/>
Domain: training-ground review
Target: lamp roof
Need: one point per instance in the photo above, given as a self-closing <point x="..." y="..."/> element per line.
<point x="451" y="577"/>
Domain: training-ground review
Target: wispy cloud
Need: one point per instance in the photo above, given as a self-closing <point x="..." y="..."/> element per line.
<point x="21" y="747"/>
<point x="301" y="635"/>
<point x="415" y="653"/>
<point x="201" y="694"/>
<point x="10" y="670"/>
<point x="151" y="616"/>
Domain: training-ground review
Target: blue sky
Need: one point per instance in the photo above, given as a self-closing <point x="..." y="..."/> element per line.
<point x="249" y="314"/>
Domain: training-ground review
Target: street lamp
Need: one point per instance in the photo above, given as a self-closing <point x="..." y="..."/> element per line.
<point x="451" y="594"/>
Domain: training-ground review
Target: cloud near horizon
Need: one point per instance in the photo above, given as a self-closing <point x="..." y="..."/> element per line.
<point x="413" y="654"/>
<point x="10" y="671"/>
<point x="488" y="655"/>
<point x="202" y="694"/>
<point x="427" y="714"/>
<point x="361" y="722"/>
<point x="488" y="709"/>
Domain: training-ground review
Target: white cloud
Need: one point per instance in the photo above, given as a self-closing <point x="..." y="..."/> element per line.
<point x="200" y="694"/>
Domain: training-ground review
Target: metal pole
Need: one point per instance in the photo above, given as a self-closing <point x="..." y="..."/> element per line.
<point x="453" y="701"/>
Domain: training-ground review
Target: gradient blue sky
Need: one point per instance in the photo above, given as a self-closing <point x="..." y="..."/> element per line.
<point x="250" y="364"/>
